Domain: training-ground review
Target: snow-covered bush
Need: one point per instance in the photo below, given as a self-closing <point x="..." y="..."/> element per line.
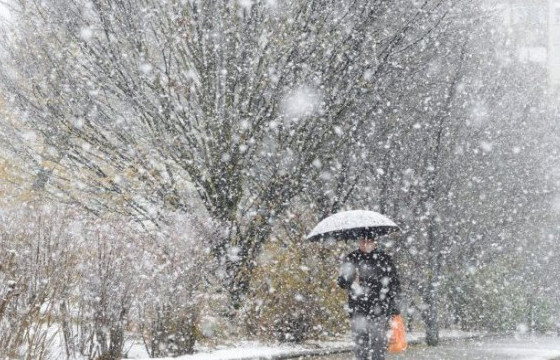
<point x="170" y="329"/>
<point x="174" y="275"/>
<point x="497" y="299"/>
<point x="37" y="258"/>
<point x="295" y="296"/>
<point x="103" y="299"/>
<point x="79" y="286"/>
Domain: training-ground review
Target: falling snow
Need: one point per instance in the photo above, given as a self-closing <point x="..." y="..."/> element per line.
<point x="181" y="176"/>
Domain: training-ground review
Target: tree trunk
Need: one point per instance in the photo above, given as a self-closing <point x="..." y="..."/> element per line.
<point x="116" y="336"/>
<point x="67" y="330"/>
<point x="237" y="283"/>
<point x="431" y="317"/>
<point x="240" y="260"/>
<point x="431" y="294"/>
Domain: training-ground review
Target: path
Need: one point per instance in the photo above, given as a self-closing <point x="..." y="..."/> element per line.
<point x="524" y="348"/>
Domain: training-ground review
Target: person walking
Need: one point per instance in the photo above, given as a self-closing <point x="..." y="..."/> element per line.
<point x="372" y="299"/>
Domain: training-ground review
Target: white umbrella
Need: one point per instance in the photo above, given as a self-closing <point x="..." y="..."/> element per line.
<point x="352" y="224"/>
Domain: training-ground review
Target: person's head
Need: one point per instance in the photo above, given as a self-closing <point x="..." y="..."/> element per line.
<point x="367" y="244"/>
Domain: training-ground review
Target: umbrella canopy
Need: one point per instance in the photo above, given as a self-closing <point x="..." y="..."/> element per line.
<point x="352" y="225"/>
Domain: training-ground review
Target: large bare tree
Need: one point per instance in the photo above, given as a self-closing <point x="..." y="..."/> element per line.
<point x="131" y="106"/>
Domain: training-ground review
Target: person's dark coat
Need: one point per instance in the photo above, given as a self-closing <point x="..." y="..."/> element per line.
<point x="379" y="284"/>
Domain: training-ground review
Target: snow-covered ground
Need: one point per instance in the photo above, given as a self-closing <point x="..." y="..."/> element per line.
<point x="520" y="348"/>
<point x="488" y="348"/>
<point x="249" y="350"/>
<point x="252" y="350"/>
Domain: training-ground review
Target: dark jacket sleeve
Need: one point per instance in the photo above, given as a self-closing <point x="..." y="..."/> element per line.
<point x="347" y="273"/>
<point x="394" y="287"/>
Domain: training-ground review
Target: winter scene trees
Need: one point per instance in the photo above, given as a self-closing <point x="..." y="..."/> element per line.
<point x="163" y="161"/>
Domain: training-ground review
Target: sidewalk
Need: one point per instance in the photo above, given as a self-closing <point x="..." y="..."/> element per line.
<point x="491" y="347"/>
<point x="257" y="351"/>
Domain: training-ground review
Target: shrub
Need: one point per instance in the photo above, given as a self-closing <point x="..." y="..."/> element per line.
<point x="169" y="330"/>
<point x="497" y="298"/>
<point x="174" y="274"/>
<point x="294" y="295"/>
<point x="36" y="262"/>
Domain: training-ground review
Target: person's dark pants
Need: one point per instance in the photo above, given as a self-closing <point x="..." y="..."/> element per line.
<point x="370" y="337"/>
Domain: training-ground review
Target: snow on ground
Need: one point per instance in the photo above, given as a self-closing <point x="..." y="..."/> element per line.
<point x="456" y="345"/>
<point x="518" y="348"/>
<point x="246" y="350"/>
<point x="249" y="350"/>
<point x="252" y="350"/>
<point x="528" y="348"/>
<point x="489" y="348"/>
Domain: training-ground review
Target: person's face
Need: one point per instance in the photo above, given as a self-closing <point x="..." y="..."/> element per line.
<point x="367" y="245"/>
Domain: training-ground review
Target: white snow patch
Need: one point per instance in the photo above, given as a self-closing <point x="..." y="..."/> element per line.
<point x="528" y="348"/>
<point x="522" y="328"/>
<point x="79" y="122"/>
<point x="486" y="146"/>
<point x="246" y="3"/>
<point x="556" y="203"/>
<point x="30" y="136"/>
<point x="479" y="114"/>
<point x="233" y="253"/>
<point x="317" y="163"/>
<point x="301" y="101"/>
<point x="146" y="68"/>
<point x="86" y="33"/>
<point x="208" y="326"/>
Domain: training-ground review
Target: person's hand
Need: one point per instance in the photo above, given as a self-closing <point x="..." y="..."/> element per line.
<point x="348" y="271"/>
<point x="356" y="289"/>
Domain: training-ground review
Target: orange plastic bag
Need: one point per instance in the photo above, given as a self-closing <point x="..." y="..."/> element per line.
<point x="397" y="338"/>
